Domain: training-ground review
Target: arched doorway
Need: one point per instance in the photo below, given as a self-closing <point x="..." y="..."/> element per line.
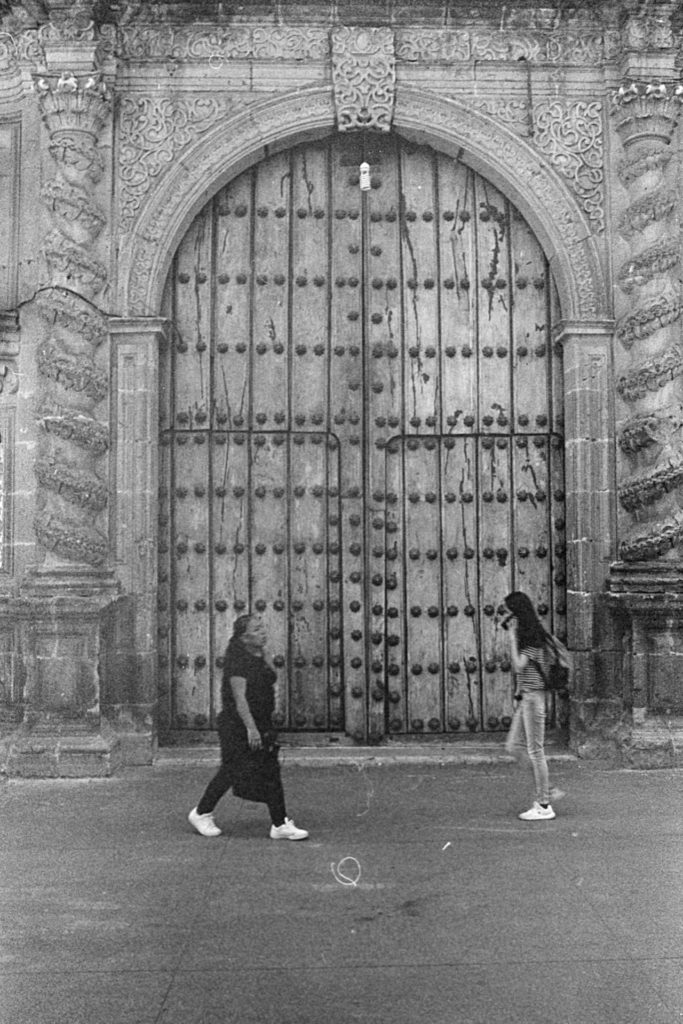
<point x="361" y="439"/>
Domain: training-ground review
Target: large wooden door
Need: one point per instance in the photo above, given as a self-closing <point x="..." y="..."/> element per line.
<point x="361" y="440"/>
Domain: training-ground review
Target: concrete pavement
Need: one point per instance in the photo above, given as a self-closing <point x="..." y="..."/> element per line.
<point x="420" y="897"/>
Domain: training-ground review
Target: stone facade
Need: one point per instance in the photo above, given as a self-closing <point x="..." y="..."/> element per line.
<point x="116" y="124"/>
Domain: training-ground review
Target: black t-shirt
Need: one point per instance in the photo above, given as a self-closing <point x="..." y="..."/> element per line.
<point x="260" y="685"/>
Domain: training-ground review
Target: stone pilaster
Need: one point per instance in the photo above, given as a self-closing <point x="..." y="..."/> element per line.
<point x="645" y="595"/>
<point x="68" y="610"/>
<point x="650" y="361"/>
<point x="130" y="685"/>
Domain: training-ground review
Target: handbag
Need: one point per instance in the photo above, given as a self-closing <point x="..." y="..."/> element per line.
<point x="258" y="773"/>
<point x="560" y="665"/>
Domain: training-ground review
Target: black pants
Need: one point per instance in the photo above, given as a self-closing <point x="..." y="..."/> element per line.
<point x="233" y="758"/>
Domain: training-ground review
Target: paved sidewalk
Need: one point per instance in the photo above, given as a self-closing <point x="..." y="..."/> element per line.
<point x="419" y="899"/>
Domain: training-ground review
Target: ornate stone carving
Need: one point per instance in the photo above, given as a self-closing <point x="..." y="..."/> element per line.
<point x="73" y="264"/>
<point x="645" y="116"/>
<point x="72" y="490"/>
<point x="9" y="351"/>
<point x="364" y="78"/>
<point x="62" y="307"/>
<point x="644" y="430"/>
<point x="514" y="113"/>
<point x="649" y="29"/>
<point x="70" y="540"/>
<point x="645" y="211"/>
<point x="73" y="426"/>
<point x="644" y="162"/>
<point x="217" y="46"/>
<point x="290" y="43"/>
<point x="637" y="493"/>
<point x="450" y="46"/>
<point x="646" y="111"/>
<point x="71" y="103"/>
<point x="70" y="23"/>
<point x="645" y="547"/>
<point x="570" y="135"/>
<point x="650" y="376"/>
<point x="652" y="262"/>
<point x="68" y="480"/>
<point x="432" y="45"/>
<point x="72" y="373"/>
<point x="153" y="131"/>
<point x="645" y="320"/>
<point x="79" y="216"/>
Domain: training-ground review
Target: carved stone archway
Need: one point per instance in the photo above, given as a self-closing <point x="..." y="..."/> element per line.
<point x="227" y="148"/>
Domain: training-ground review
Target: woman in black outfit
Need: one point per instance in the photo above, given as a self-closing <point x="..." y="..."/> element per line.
<point x="249" y="753"/>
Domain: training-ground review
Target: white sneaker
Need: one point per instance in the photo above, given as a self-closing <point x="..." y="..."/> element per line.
<point x="538" y="813"/>
<point x="556" y="793"/>
<point x="287" y="831"/>
<point x="203" y="823"/>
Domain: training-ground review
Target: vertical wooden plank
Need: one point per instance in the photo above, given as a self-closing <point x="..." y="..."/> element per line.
<point x="397" y="675"/>
<point x="346" y="411"/>
<point x="309" y="352"/>
<point x="556" y="360"/>
<point x="462" y="590"/>
<point x="532" y="352"/>
<point x="191" y="527"/>
<point x="309" y="344"/>
<point x="192" y="575"/>
<point x="308" y="603"/>
<point x="420" y="289"/>
<point x="461" y="582"/>
<point x="268" y="484"/>
<point x="493" y="293"/>
<point x="166" y="592"/>
<point x="331" y="504"/>
<point x="423" y="582"/>
<point x="232" y="319"/>
<point x="193" y="324"/>
<point x="167" y="673"/>
<point x="383" y="375"/>
<point x="532" y="522"/>
<point x="270" y="351"/>
<point x="457" y="258"/>
<point x="556" y="494"/>
<point x="230" y="541"/>
<point x="495" y="553"/>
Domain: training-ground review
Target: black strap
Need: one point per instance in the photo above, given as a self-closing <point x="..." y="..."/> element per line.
<point x="540" y="671"/>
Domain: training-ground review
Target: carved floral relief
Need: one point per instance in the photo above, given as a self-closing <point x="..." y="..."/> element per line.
<point x="363" y="77"/>
<point x="571" y="136"/>
<point x="152" y="132"/>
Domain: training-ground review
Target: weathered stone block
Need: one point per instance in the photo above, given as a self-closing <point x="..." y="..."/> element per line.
<point x="31" y="761"/>
<point x="93" y="762"/>
<point x="580" y="620"/>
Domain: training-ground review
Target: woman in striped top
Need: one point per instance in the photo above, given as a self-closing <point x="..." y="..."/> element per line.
<point x="527" y="732"/>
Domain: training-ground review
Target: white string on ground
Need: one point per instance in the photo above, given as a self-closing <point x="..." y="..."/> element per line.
<point x="347" y="871"/>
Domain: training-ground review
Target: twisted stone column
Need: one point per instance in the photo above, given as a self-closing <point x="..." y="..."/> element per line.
<point x="71" y="463"/>
<point x="648" y="329"/>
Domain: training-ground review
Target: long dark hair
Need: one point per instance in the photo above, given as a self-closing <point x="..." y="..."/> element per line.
<point x="239" y="628"/>
<point x="530" y="631"/>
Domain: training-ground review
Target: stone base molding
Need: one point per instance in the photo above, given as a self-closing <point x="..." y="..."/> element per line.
<point x="64" y="647"/>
